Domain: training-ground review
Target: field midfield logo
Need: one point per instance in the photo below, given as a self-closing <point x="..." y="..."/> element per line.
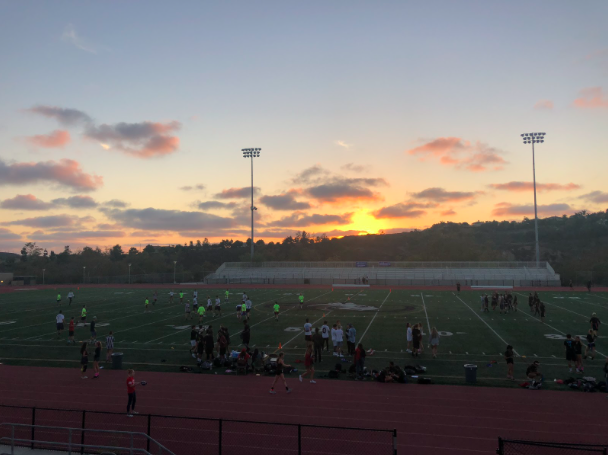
<point x="350" y="306"/>
<point x="293" y="329"/>
<point x="556" y="336"/>
<point x="7" y="322"/>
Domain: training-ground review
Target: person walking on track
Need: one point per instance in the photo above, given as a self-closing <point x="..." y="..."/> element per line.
<point x="279" y="373"/>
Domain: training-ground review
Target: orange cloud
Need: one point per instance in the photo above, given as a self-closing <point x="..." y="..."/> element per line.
<point x="462" y="154"/>
<point x="544" y="104"/>
<point x="403" y="210"/>
<point x="529" y="186"/>
<point x="449" y="212"/>
<point x="57" y="138"/>
<point x="591" y="98"/>
<point x="508" y="209"/>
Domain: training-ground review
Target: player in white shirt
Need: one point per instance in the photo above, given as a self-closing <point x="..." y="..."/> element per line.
<point x="195" y="302"/>
<point x="325" y="335"/>
<point x="171" y="294"/>
<point x="209" y="304"/>
<point x="308" y="333"/>
<point x="195" y="294"/>
<point x="70" y="297"/>
<point x="337" y="336"/>
<point x="218" y="306"/>
<point x="244" y="298"/>
<point x="59" y="320"/>
<point x="248" y="304"/>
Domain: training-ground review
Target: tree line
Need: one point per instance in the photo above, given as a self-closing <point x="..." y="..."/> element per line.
<point x="576" y="246"/>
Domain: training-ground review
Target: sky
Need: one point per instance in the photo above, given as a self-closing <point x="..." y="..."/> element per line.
<point x="123" y="122"/>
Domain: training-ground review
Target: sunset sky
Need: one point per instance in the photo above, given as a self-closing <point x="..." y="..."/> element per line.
<point x="123" y="122"/>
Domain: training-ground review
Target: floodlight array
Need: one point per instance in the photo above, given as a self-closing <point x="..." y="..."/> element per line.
<point x="533" y="138"/>
<point x="251" y="153"/>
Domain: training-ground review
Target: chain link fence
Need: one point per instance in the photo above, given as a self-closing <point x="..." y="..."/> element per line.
<point x="196" y="435"/>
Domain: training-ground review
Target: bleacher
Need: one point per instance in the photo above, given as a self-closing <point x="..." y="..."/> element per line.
<point x="387" y="273"/>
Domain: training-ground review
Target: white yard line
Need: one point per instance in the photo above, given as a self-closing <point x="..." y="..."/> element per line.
<point x="370" y="322"/>
<point x="488" y="325"/>
<point x="427" y="315"/>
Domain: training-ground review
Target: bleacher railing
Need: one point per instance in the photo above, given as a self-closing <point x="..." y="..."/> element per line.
<point x="388" y="264"/>
<point x="193" y="435"/>
<point x="517" y="447"/>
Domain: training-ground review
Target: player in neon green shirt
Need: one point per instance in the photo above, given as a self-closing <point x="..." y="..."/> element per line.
<point x="201" y="313"/>
<point x="146" y="302"/>
<point x="227" y="294"/>
<point x="59" y="298"/>
<point x="301" y="297"/>
<point x="276" y="310"/>
<point x="181" y="296"/>
<point x="244" y="310"/>
<point x="83" y="314"/>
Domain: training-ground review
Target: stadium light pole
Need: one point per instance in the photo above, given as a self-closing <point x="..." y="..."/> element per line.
<point x="43" y="276"/>
<point x="534" y="138"/>
<point x="251" y="154"/>
<point x="129" y="273"/>
<point x="174" y="265"/>
<point x="83" y="274"/>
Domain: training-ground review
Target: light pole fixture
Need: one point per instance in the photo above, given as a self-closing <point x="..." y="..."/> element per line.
<point x="174" y="265"/>
<point x="534" y="138"/>
<point x="43" y="275"/>
<point x="251" y="153"/>
<point x="129" y="273"/>
<point x="83" y="274"/>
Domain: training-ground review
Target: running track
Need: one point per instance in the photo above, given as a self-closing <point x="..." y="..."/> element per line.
<point x="430" y="419"/>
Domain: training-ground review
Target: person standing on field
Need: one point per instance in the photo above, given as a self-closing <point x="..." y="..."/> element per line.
<point x="410" y="338"/>
<point x="59" y="320"/>
<point x="325" y="335"/>
<point x="70" y="297"/>
<point x="317" y="341"/>
<point x="351" y="336"/>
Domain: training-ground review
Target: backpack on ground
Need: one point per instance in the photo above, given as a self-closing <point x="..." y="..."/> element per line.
<point x="338" y="367"/>
<point x="185" y="369"/>
<point x="352" y="369"/>
<point x="206" y="365"/>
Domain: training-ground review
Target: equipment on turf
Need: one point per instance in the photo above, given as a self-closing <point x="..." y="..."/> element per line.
<point x="144" y="383"/>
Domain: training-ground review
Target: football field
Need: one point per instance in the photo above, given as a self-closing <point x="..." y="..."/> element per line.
<point x="160" y="340"/>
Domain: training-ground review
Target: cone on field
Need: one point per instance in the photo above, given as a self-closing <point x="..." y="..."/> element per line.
<point x="280" y="347"/>
<point x="323" y="314"/>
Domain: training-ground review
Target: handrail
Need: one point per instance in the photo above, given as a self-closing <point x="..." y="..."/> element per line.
<point x="71" y="444"/>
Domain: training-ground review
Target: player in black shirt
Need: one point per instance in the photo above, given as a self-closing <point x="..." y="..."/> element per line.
<point x="570" y="354"/>
<point x="595" y="323"/>
<point x="590" y="345"/>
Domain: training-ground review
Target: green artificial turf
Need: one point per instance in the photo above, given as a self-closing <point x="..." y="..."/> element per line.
<point x="159" y="340"/>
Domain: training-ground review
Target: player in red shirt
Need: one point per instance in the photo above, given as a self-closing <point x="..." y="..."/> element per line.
<point x="310" y="369"/>
<point x="131" y="391"/>
<point x="71" y="331"/>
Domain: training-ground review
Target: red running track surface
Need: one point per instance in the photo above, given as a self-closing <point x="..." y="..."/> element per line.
<point x="429" y="419"/>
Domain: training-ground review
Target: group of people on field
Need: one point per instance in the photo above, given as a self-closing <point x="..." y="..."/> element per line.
<point x="505" y="302"/>
<point x="415" y="343"/>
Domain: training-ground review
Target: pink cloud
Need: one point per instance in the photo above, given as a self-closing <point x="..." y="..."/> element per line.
<point x="65" y="172"/>
<point x="143" y="140"/>
<point x="460" y="153"/>
<point x="529" y="186"/>
<point x="544" y="105"/>
<point x="591" y="98"/>
<point x="25" y="202"/>
<point x="449" y="212"/>
<point x="58" y="138"/>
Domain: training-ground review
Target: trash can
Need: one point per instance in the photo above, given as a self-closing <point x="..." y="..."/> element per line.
<point x="470" y="373"/>
<point x="117" y="361"/>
